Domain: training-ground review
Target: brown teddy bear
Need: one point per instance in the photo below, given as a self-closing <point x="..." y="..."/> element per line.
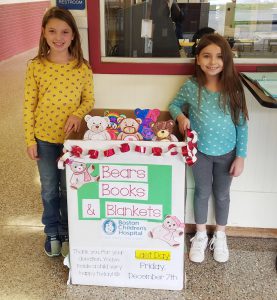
<point x="129" y="129"/>
<point x="163" y="131"/>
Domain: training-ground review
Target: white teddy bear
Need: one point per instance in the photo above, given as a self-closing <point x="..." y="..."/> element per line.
<point x="81" y="174"/>
<point x="97" y="128"/>
<point x="168" y="231"/>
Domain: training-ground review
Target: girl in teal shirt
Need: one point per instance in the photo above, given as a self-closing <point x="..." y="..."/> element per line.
<point x="217" y="112"/>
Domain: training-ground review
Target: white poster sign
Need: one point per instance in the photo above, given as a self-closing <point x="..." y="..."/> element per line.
<point x="126" y="215"/>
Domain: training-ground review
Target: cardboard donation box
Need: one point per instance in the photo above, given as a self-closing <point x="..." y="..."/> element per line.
<point x="126" y="213"/>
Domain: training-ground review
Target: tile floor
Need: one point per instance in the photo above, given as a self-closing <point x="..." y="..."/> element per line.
<point x="27" y="273"/>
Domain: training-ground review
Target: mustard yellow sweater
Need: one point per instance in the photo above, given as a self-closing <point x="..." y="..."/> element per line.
<point x="53" y="92"/>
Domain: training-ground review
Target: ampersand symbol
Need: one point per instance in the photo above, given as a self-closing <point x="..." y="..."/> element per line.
<point x="90" y="211"/>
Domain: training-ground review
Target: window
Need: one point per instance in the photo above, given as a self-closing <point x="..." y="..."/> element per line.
<point x="151" y="37"/>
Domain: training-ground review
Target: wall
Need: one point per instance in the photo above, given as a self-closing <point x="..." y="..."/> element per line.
<point x="20" y="26"/>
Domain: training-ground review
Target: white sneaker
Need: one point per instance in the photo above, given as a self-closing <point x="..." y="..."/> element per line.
<point x="219" y="245"/>
<point x="198" y="246"/>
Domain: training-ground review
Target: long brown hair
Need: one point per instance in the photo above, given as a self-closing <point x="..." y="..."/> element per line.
<point x="232" y="93"/>
<point x="75" y="49"/>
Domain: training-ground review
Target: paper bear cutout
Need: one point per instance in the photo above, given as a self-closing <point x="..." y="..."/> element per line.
<point x="147" y="116"/>
<point x="129" y="129"/>
<point x="152" y="114"/>
<point x="170" y="229"/>
<point x="81" y="174"/>
<point x="163" y="131"/>
<point x="113" y="128"/>
<point x="97" y="128"/>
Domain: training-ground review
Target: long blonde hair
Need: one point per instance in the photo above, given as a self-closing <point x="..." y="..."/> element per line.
<point x="232" y="93"/>
<point x="74" y="49"/>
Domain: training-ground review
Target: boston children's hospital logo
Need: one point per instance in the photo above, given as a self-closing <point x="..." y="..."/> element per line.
<point x="109" y="227"/>
<point x="126" y="191"/>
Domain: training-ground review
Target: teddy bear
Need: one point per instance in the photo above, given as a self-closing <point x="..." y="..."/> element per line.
<point x="171" y="228"/>
<point x="129" y="129"/>
<point x="145" y="130"/>
<point x="163" y="131"/>
<point x="147" y="116"/>
<point x="113" y="129"/>
<point x="97" y="128"/>
<point x="152" y="114"/>
<point x="81" y="174"/>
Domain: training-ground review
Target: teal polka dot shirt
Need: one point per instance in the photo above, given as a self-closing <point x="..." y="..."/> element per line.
<point x="217" y="134"/>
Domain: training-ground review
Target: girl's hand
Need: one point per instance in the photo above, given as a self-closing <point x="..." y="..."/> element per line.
<point x="32" y="152"/>
<point x="73" y="123"/>
<point x="237" y="166"/>
<point x="183" y="123"/>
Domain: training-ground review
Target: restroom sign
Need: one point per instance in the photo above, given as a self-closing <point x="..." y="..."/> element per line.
<point x="71" y="4"/>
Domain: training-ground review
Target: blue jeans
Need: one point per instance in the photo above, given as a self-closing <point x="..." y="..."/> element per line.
<point x="53" y="189"/>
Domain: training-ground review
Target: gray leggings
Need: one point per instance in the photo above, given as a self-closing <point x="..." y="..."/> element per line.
<point x="211" y="174"/>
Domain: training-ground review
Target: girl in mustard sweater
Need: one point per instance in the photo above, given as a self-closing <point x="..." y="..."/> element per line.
<point x="58" y="93"/>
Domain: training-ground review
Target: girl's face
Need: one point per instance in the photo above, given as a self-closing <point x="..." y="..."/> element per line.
<point x="210" y="60"/>
<point x="58" y="35"/>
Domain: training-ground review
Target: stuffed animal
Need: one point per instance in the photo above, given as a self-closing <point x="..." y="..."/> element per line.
<point x="168" y="231"/>
<point x="163" y="131"/>
<point x="129" y="129"/>
<point x="81" y="174"/>
<point x="147" y="116"/>
<point x="97" y="128"/>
